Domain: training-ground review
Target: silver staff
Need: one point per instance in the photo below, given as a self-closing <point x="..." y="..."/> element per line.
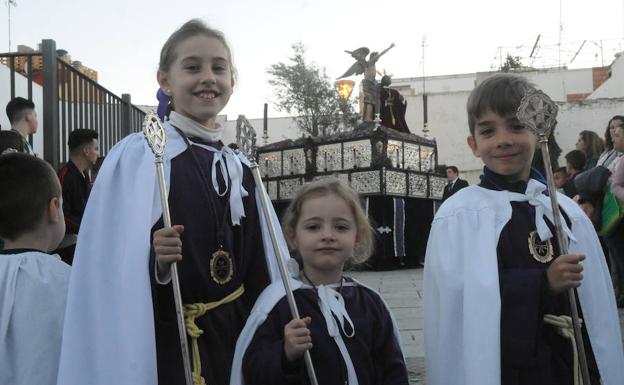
<point x="539" y="114"/>
<point x="246" y="143"/>
<point x="156" y="137"/>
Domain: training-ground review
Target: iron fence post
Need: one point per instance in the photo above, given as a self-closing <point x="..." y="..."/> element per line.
<point x="126" y="115"/>
<point x="51" y="133"/>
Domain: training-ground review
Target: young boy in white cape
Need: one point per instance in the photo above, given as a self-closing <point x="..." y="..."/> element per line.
<point x="33" y="283"/>
<point x="495" y="284"/>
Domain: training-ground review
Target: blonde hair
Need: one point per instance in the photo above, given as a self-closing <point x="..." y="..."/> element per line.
<point x="365" y="244"/>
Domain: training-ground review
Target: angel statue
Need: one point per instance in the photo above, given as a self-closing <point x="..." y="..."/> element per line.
<point x="362" y="66"/>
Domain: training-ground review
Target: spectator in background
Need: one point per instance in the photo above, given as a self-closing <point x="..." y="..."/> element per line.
<point x="592" y="146"/>
<point x="454" y="182"/>
<point x="610" y="157"/>
<point x="11" y="141"/>
<point x="594" y="205"/>
<point x="615" y="240"/>
<point x="575" y="162"/>
<point x="76" y="183"/>
<point x="23" y="118"/>
<point x="561" y="177"/>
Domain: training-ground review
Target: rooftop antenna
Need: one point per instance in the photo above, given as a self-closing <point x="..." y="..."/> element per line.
<point x="9" y="4"/>
<point x="533" y="54"/>
<point x="578" y="50"/>
<point x="424" y="90"/>
<point x="560" y="28"/>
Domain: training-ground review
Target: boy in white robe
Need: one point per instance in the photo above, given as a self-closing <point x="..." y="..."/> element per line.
<point x="494" y="278"/>
<point x="33" y="283"/>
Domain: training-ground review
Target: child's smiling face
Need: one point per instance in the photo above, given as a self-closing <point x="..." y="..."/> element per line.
<point x="200" y="79"/>
<point x="504" y="144"/>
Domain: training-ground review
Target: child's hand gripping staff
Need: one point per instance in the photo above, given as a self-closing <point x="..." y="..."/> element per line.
<point x="283" y="272"/>
<point x="157" y="139"/>
<point x="538" y="113"/>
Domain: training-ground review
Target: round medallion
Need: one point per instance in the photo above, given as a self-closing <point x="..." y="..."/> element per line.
<point x="541" y="251"/>
<point x="221" y="267"/>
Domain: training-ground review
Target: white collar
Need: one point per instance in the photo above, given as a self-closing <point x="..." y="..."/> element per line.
<point x="542" y="203"/>
<point x="231" y="164"/>
<point x="192" y="129"/>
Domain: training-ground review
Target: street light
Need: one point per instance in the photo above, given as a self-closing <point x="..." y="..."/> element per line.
<point x="344" y="88"/>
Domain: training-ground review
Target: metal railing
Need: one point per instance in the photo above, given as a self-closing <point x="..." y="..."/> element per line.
<point x="71" y="100"/>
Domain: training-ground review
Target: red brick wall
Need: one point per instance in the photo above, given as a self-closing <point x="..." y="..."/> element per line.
<point x="599" y="75"/>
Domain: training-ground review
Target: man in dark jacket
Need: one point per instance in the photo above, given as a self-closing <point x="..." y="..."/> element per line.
<point x="454" y="182"/>
<point x="76" y="183"/>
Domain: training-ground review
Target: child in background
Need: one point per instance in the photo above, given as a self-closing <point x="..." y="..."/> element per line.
<point x="561" y="176"/>
<point x="33" y="283"/>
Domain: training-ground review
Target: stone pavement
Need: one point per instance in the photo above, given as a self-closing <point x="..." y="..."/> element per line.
<point x="403" y="292"/>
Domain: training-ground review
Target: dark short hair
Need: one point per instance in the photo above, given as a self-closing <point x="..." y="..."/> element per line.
<point x="577" y="159"/>
<point x="500" y="94"/>
<point x="561" y="170"/>
<point x="27" y="184"/>
<point x="11" y="139"/>
<point x="17" y="108"/>
<point x="455" y="170"/>
<point x="80" y="137"/>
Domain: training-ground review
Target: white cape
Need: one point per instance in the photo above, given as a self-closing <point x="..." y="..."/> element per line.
<point x="462" y="347"/>
<point x="263" y="306"/>
<point x="109" y="323"/>
<point x="33" y="289"/>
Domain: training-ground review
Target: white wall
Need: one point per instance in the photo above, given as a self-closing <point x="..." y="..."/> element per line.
<point x="557" y="83"/>
<point x="437" y="84"/>
<point x="278" y="129"/>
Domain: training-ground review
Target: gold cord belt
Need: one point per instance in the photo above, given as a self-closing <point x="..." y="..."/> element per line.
<point x="564" y="327"/>
<point x="193" y="311"/>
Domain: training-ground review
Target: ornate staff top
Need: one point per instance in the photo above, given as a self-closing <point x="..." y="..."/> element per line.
<point x="155" y="134"/>
<point x="538" y="113"/>
<point x="246" y="137"/>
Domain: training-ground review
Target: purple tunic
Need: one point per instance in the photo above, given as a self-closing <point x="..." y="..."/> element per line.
<point x="374" y="350"/>
<point x="190" y="197"/>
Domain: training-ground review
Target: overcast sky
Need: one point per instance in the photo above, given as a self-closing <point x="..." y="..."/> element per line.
<point x="121" y="39"/>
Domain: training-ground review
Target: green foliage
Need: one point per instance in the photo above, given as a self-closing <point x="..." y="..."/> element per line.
<point x="511" y="63"/>
<point x="304" y="91"/>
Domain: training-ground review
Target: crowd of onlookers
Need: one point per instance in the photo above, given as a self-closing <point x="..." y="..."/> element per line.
<point x="594" y="177"/>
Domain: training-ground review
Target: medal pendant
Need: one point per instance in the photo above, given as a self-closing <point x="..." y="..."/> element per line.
<point x="541" y="251"/>
<point x="221" y="267"/>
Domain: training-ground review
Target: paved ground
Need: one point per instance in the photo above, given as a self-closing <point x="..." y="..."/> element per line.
<point x="398" y="288"/>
